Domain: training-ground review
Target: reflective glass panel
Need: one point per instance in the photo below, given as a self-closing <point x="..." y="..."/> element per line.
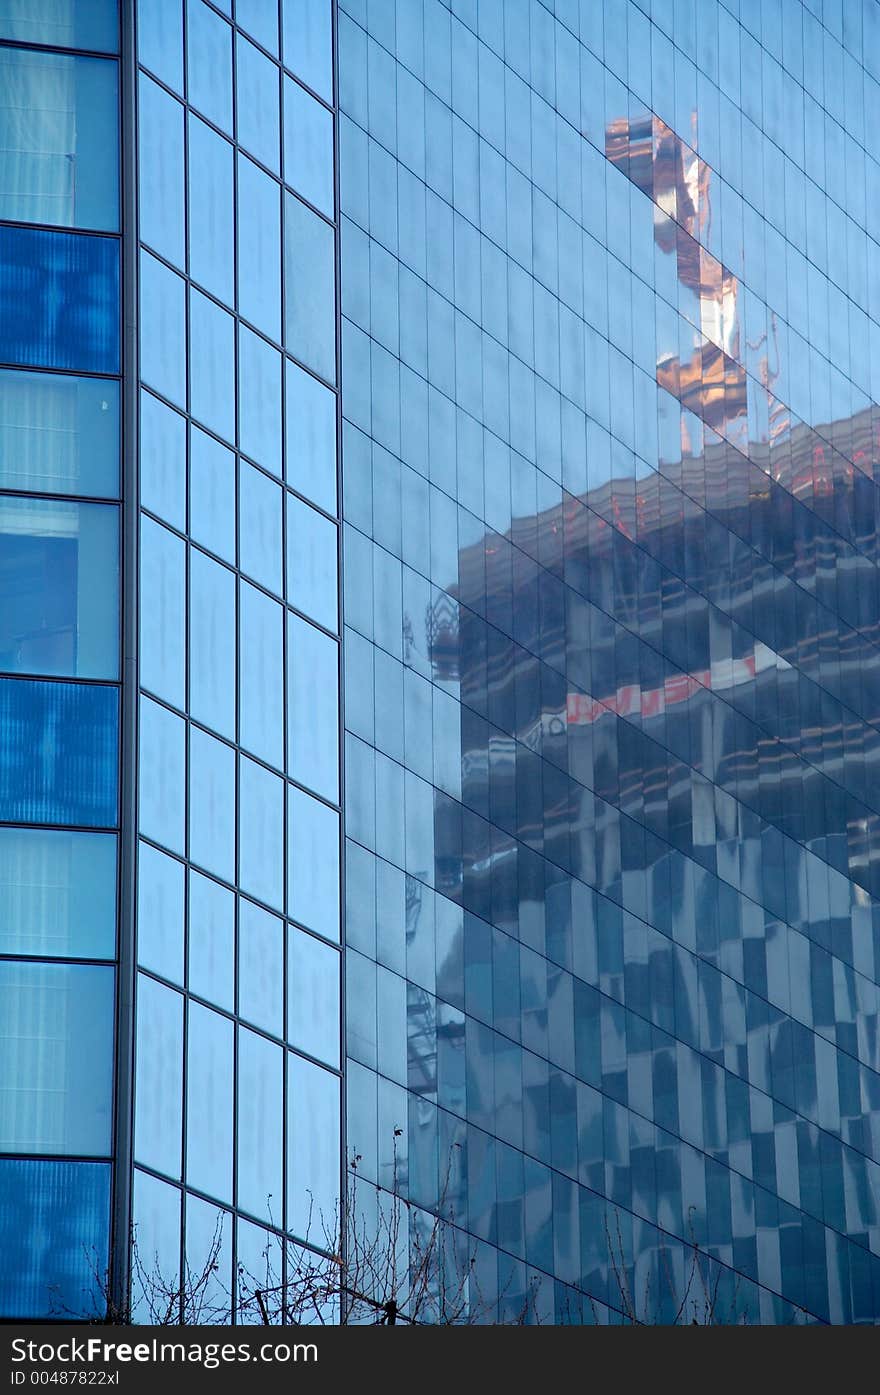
<point x="163" y="460"/>
<point x="209" y="1102"/>
<point x="313" y="996"/>
<point x="64" y="23"/>
<point x="209" y="64"/>
<point x="75" y="780"/>
<point x="161" y="775"/>
<point x="259" y="527"/>
<point x="54" y="1231"/>
<point x="312" y="563"/>
<point x="259" y="248"/>
<point x="307" y="29"/>
<point x="211" y="211"/>
<point x="211" y="940"/>
<point x="163" y="329"/>
<point x="257" y="90"/>
<point x="313" y="1156"/>
<point x="59" y="434"/>
<point x="59" y="161"/>
<point x="308" y="147"/>
<point x="160" y="39"/>
<point x="261" y="833"/>
<point x="57" y="893"/>
<point x="59" y="587"/>
<point x="160" y="913"/>
<point x="59" y="300"/>
<point x="311" y="438"/>
<point x="261" y="674"/>
<point x="163" y="621"/>
<point x="260" y="1125"/>
<point x="56" y="1063"/>
<point x="211" y="803"/>
<point x="159" y="1096"/>
<point x="212" y="494"/>
<point x="160" y="171"/>
<point x="260" y="968"/>
<point x="259" y="400"/>
<point x="310" y="319"/>
<point x="313" y="708"/>
<point x="212" y="365"/>
<point x="313" y="864"/>
<point x="211" y="643"/>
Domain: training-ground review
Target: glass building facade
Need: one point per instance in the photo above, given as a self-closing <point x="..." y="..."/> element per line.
<point x="440" y="646"/>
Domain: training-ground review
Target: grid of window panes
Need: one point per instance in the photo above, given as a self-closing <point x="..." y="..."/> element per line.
<point x="237" y="1078"/>
<point x="610" y="364"/>
<point x="59" y="648"/>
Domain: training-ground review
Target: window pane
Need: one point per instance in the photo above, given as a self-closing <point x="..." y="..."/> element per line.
<point x="62" y="22"/>
<point x="211" y="803"/>
<point x="211" y="940"/>
<point x="156" y="1213"/>
<point x="58" y="434"/>
<point x="312" y="563"/>
<point x="313" y="864"/>
<point x="54" y="1234"/>
<point x="209" y="65"/>
<point x="311" y="438"/>
<point x="211" y="210"/>
<point x="313" y="710"/>
<point x="163" y="460"/>
<point x="310" y="317"/>
<point x="209" y="1105"/>
<point x="59" y="161"/>
<point x="57" y="893"/>
<point x="313" y="996"/>
<point x="259" y="248"/>
<point x="59" y="300"/>
<point x="56" y="1058"/>
<point x="161" y="775"/>
<point x="212" y="365"/>
<point x="308" y="147"/>
<point x="260" y="1125"/>
<point x="260" y="19"/>
<point x="313" y="1148"/>
<point x="257" y="94"/>
<point x="160" y="39"/>
<point x="261" y="833"/>
<point x="74" y="782"/>
<point x="259" y="516"/>
<point x="160" y="171"/>
<point x="212" y="495"/>
<point x="163" y="613"/>
<point x="260" y="967"/>
<point x="259" y="401"/>
<point x="59" y="588"/>
<point x="212" y="643"/>
<point x="158" y="1077"/>
<point x="160" y="913"/>
<point x="261" y="675"/>
<point x="308" y="43"/>
<point x="163" y="329"/>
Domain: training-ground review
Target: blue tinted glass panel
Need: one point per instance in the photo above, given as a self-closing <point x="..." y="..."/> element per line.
<point x="261" y="833"/>
<point x="160" y="913"/>
<point x="259" y="400"/>
<point x="259" y="518"/>
<point x="209" y="64"/>
<point x="312" y="572"/>
<point x="313" y="864"/>
<point x="313" y="1125"/>
<point x="63" y="23"/>
<point x="313" y="708"/>
<point x="310" y="318"/>
<point x="260" y="1124"/>
<point x="260" y="968"/>
<point x="211" y="941"/>
<point x="163" y="460"/>
<point x="212" y="643"/>
<point x="54" y="1229"/>
<point x="212" y="495"/>
<point x="308" y="147"/>
<point x="212" y="365"/>
<point x="159" y="1064"/>
<point x="308" y="43"/>
<point x="209" y="1102"/>
<point x="313" y="996"/>
<point x="211" y="211"/>
<point x="156" y="1213"/>
<point x="163" y="329"/>
<point x="261" y="674"/>
<point x="58" y="140"/>
<point x="160" y="39"/>
<point x="59" y="300"/>
<point x="211" y="803"/>
<point x="163" y="620"/>
<point x="162" y="775"/>
<point x="160" y="171"/>
<point x="57" y="893"/>
<point x="59" y="434"/>
<point x="257" y="83"/>
<point x="311" y="438"/>
<point x="59" y="587"/>
<point x="259" y="248"/>
<point x="75" y="728"/>
<point x="260" y="19"/>
<point x="56" y="1067"/>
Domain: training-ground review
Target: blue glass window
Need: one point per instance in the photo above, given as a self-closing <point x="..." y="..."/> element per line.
<point x="257" y="83"/>
<point x="59" y="300"/>
<point x="259" y="248"/>
<point x="56" y="1065"/>
<point x="260" y="20"/>
<point x="211" y="643"/>
<point x="313" y="864"/>
<point x="211" y="803"/>
<point x="211" y="940"/>
<point x="159" y="1065"/>
<point x="261" y="674"/>
<point x="261" y="833"/>
<point x="259" y="527"/>
<point x="312" y="571"/>
<point x="209" y="1102"/>
<point x="211" y="210"/>
<point x="163" y="621"/>
<point x="57" y="893"/>
<point x="163" y="460"/>
<point x="259" y="400"/>
<point x="212" y="365"/>
<point x="160" y="171"/>
<point x="308" y="147"/>
<point x="260" y="1125"/>
<point x="54" y="1231"/>
<point x="311" y="438"/>
<point x="209" y="64"/>
<point x="212" y="495"/>
<point x="310" y="288"/>
<point x="313" y="708"/>
<point x="160" y="913"/>
<point x="313" y="996"/>
<point x="74" y="729"/>
<point x="160" y="39"/>
<point x="94" y="26"/>
<point x="59" y="434"/>
<point x="162" y="775"/>
<point x="313" y="1130"/>
<point x="308" y="43"/>
<point x="59" y="587"/>
<point x="163" y="329"/>
<point x="58" y="145"/>
<point x="260" y="968"/>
